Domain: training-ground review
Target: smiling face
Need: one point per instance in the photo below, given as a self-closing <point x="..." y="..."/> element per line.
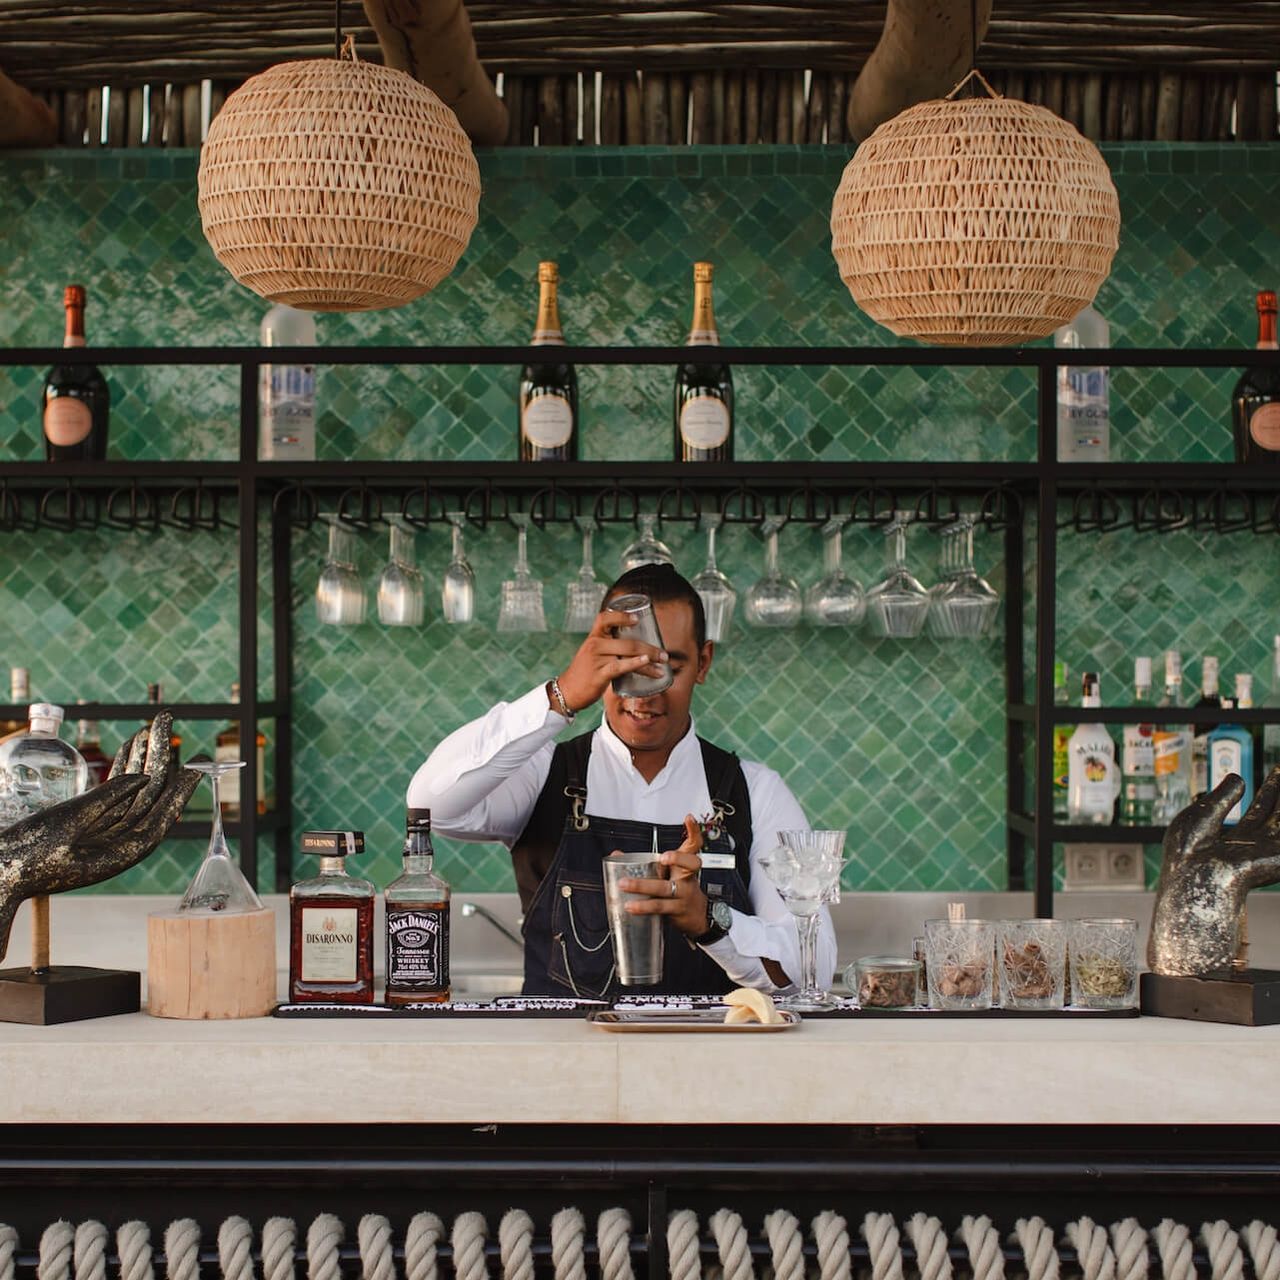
<point x="651" y="727"/>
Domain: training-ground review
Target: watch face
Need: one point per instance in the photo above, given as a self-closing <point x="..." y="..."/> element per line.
<point x="721" y="914"/>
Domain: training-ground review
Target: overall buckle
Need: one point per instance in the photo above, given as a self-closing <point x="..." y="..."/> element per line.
<point x="577" y="814"/>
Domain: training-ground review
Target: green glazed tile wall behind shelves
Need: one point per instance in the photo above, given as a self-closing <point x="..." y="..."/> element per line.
<point x="901" y="743"/>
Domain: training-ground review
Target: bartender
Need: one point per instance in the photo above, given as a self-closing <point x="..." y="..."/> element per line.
<point x="561" y="804"/>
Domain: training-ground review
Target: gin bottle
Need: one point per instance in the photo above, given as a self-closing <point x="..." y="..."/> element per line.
<point x="417" y="922"/>
<point x="1138" y="779"/>
<point x="38" y="769"/>
<point x="331" y="925"/>
<point x="1231" y="751"/>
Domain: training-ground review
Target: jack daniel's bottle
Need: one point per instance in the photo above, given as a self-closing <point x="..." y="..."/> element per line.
<point x="704" y="392"/>
<point x="417" y="922"/>
<point x="548" y="392"/>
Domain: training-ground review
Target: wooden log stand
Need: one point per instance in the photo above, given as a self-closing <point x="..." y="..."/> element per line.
<point x="46" y="994"/>
<point x="211" y="965"/>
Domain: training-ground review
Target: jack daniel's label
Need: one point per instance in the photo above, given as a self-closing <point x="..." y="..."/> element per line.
<point x="329" y="944"/>
<point x="418" y="947"/>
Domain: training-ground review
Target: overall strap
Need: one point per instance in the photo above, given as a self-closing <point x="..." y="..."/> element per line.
<point x="536" y="846"/>
<point x="727" y="785"/>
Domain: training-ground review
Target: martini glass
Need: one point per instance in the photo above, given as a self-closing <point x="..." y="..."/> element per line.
<point x="218" y="884"/>
<point x="715" y="589"/>
<point x="805" y="869"/>
<point x="646" y="547"/>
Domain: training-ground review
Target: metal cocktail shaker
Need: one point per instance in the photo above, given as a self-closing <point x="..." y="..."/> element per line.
<point x="633" y="684"/>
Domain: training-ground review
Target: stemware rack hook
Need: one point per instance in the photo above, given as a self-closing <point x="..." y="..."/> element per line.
<point x="617" y="505"/>
<point x="545" y="506"/>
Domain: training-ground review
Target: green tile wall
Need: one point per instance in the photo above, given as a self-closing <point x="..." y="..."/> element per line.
<point x="902" y="743"/>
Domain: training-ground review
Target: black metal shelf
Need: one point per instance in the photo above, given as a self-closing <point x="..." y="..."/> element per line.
<point x="197" y="826"/>
<point x="112" y="711"/>
<point x="1105" y="833"/>
<point x="1026" y="714"/>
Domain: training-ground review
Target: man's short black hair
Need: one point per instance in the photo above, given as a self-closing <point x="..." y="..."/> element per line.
<point x="662" y="583"/>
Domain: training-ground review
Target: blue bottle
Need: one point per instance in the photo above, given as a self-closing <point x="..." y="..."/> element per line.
<point x="1230" y="750"/>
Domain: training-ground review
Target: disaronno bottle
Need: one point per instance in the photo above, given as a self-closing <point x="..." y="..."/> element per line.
<point x="548" y="391"/>
<point x="331" y="925"/>
<point x="417" y="922"/>
<point x="704" y="392"/>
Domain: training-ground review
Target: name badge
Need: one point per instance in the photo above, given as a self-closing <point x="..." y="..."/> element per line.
<point x="718" y="862"/>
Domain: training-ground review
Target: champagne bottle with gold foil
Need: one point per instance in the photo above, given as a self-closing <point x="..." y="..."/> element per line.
<point x="76" y="404"/>
<point x="548" y="391"/>
<point x="704" y="392"/>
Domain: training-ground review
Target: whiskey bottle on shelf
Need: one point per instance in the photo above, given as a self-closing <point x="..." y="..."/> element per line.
<point x="287" y="392"/>
<point x="20" y="696"/>
<point x="1210" y="696"/>
<point x="548" y="402"/>
<point x="704" y="392"/>
<point x="76" y="406"/>
<point x="89" y="745"/>
<point x="1255" y="403"/>
<point x="227" y="747"/>
<point x="331" y="925"/>
<point x="1138" y="778"/>
<point x="417" y="922"/>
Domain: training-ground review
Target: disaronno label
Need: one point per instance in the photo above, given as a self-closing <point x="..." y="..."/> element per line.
<point x="333" y="844"/>
<point x="329" y="944"/>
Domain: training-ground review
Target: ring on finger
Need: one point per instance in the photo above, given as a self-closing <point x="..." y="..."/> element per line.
<point x="674" y="887"/>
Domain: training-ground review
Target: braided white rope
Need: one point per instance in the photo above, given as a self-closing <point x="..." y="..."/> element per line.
<point x="831" y="1235"/>
<point x="929" y="1240"/>
<point x="279" y="1247"/>
<point x="8" y="1252"/>
<point x="884" y="1246"/>
<point x="982" y="1240"/>
<point x="235" y="1249"/>
<point x="182" y="1249"/>
<point x="682" y="1245"/>
<point x="786" y="1243"/>
<point x="567" y="1232"/>
<point x="1176" y="1257"/>
<point x="1223" y="1245"/>
<point x="324" y="1239"/>
<point x="613" y="1243"/>
<point x="133" y="1244"/>
<point x="377" y="1256"/>
<point x="515" y="1245"/>
<point x="1039" y="1254"/>
<point x="1093" y="1250"/>
<point x="469" y="1233"/>
<point x="90" y="1251"/>
<point x="57" y="1245"/>
<point x="1259" y="1236"/>
<point x="420" y="1260"/>
<point x="1129" y="1244"/>
<point x="732" y="1244"/>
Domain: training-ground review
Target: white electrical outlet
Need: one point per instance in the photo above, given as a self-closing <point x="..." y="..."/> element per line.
<point x="1102" y="867"/>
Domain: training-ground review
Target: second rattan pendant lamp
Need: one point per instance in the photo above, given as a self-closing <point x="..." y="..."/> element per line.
<point x="971" y="221"/>
<point x="337" y="185"/>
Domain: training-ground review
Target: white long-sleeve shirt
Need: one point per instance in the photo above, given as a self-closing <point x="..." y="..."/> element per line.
<point x="482" y="782"/>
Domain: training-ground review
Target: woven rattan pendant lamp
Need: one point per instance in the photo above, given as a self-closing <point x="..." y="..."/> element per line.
<point x="975" y="221"/>
<point x="337" y="185"/>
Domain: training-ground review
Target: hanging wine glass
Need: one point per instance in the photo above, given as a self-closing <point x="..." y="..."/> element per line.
<point x="219" y="884"/>
<point x="774" y="599"/>
<point x="714" y="588"/>
<point x="340" y="594"/>
<point x="971" y="603"/>
<point x="585" y="593"/>
<point x="938" y="624"/>
<point x="646" y="547"/>
<point x="898" y="604"/>
<point x="401" y="591"/>
<point x="458" y="591"/>
<point x="522" y="594"/>
<point x="836" y="599"/>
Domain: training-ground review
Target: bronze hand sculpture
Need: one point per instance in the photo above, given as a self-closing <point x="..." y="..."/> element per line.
<point x="1207" y="873"/>
<point x="98" y="834"/>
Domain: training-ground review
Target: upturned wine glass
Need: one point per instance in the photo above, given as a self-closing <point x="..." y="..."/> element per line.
<point x="971" y="602"/>
<point x="585" y="593"/>
<point x="401" y="591"/>
<point x="646" y="547"/>
<point x="805" y="869"/>
<point x="458" y="591"/>
<point x="218" y="885"/>
<point x="716" y="591"/>
<point x="340" y="594"/>
<point x="836" y="599"/>
<point x="937" y="623"/>
<point x="522" y="594"/>
<point x="898" y="604"/>
<point x="774" y="599"/>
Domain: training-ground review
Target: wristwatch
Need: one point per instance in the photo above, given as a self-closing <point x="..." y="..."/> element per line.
<point x="720" y="918"/>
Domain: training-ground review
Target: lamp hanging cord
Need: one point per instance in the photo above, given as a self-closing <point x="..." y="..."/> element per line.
<point x="337" y="29"/>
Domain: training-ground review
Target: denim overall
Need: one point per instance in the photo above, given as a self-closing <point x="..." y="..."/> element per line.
<point x="567" y="950"/>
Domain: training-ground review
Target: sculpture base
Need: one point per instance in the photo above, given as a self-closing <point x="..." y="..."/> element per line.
<point x="1249" y="998"/>
<point x="67" y="993"/>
